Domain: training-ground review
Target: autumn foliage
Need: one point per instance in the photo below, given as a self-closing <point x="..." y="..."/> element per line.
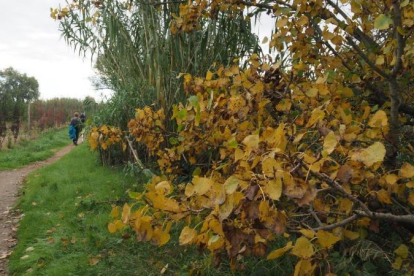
<point x="314" y="148"/>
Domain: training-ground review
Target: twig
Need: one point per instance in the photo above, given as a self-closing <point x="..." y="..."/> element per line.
<point x="366" y="59"/>
<point x="338" y="224"/>
<point x="315" y="216"/>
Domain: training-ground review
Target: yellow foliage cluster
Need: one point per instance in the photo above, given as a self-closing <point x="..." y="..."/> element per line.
<point x="104" y="137"/>
<point x="295" y="151"/>
<point x="268" y="167"/>
<point x="148" y="127"/>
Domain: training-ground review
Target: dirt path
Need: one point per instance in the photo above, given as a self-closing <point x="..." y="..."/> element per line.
<point x="10" y="183"/>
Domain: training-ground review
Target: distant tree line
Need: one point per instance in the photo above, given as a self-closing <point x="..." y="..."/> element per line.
<point x="56" y="112"/>
<point x="18" y="91"/>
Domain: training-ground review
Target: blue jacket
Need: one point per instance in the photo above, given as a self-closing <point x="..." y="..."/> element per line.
<point x="72" y="132"/>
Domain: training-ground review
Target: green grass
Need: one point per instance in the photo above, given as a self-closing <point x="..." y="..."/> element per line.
<point x="39" y="149"/>
<point x="67" y="206"/>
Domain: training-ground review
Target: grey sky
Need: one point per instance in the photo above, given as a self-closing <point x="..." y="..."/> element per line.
<point x="30" y="43"/>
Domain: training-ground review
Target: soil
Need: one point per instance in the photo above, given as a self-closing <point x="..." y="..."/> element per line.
<point x="10" y="183"/>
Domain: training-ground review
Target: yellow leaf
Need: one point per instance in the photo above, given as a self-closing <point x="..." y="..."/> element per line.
<point x="112" y="228"/>
<point x="356" y="79"/>
<point x="115" y="212"/>
<point x="382" y="22"/>
<point x="351" y="235"/>
<point x="317" y="115"/>
<point x="327" y="239"/>
<point x="329" y="144"/>
<point x="187" y="235"/>
<point x="215" y="242"/>
<point x="411" y="198"/>
<point x="348" y="92"/>
<point x="304" y="268"/>
<point x="227" y="208"/>
<point x="279" y="252"/>
<point x="273" y="188"/>
<point x="258" y="88"/>
<point x="217" y="194"/>
<point x="303" y="248"/>
<point x="380" y="60"/>
<point x="160" y="237"/>
<point x="397" y="264"/>
<point x="126" y="212"/>
<point x="345" y="205"/>
<point x="202" y="185"/>
<point x="310" y="234"/>
<point x="383" y="196"/>
<point x="209" y="75"/>
<point x="270" y="166"/>
<point x="281" y="22"/>
<point x="406" y="171"/>
<point x="239" y="154"/>
<point x="391" y="179"/>
<point x="402" y="251"/>
<point x="379" y="119"/>
<point x="303" y="20"/>
<point x="164" y="187"/>
<point x="94" y="261"/>
<point x="216" y="226"/>
<point x="410" y="184"/>
<point x="252" y="141"/>
<point x="284" y="105"/>
<point x="231" y="184"/>
<point x="313" y="92"/>
<point x="369" y="156"/>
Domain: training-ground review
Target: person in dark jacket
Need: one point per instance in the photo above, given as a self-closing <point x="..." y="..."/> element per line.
<point x="75" y="124"/>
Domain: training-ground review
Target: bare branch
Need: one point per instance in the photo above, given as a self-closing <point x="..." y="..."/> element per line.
<point x="399" y="37"/>
<point x="365" y="211"/>
<point x="385" y="216"/>
<point x="315" y="216"/>
<point x="332" y="183"/>
<point x="366" y="59"/>
<point x="338" y="224"/>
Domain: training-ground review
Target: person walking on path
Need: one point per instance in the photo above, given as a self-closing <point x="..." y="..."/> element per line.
<point x="74" y="128"/>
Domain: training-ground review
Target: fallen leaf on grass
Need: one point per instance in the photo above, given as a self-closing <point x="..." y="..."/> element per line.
<point x="50" y="231"/>
<point x="29" y="249"/>
<point x="25" y="257"/>
<point x="164" y="269"/>
<point x="94" y="261"/>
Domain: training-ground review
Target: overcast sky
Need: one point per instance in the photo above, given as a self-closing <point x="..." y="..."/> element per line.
<point x="30" y="43"/>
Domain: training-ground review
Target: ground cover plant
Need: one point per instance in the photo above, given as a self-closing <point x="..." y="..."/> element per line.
<point x="28" y="151"/>
<point x="312" y="145"/>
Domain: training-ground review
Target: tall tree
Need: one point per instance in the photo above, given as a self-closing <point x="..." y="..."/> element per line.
<point x="16" y="91"/>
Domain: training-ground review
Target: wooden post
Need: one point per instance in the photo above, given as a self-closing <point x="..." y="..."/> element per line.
<point x="28" y="121"/>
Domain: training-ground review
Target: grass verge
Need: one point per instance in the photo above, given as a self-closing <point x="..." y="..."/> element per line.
<point x="64" y="230"/>
<point x="29" y="151"/>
